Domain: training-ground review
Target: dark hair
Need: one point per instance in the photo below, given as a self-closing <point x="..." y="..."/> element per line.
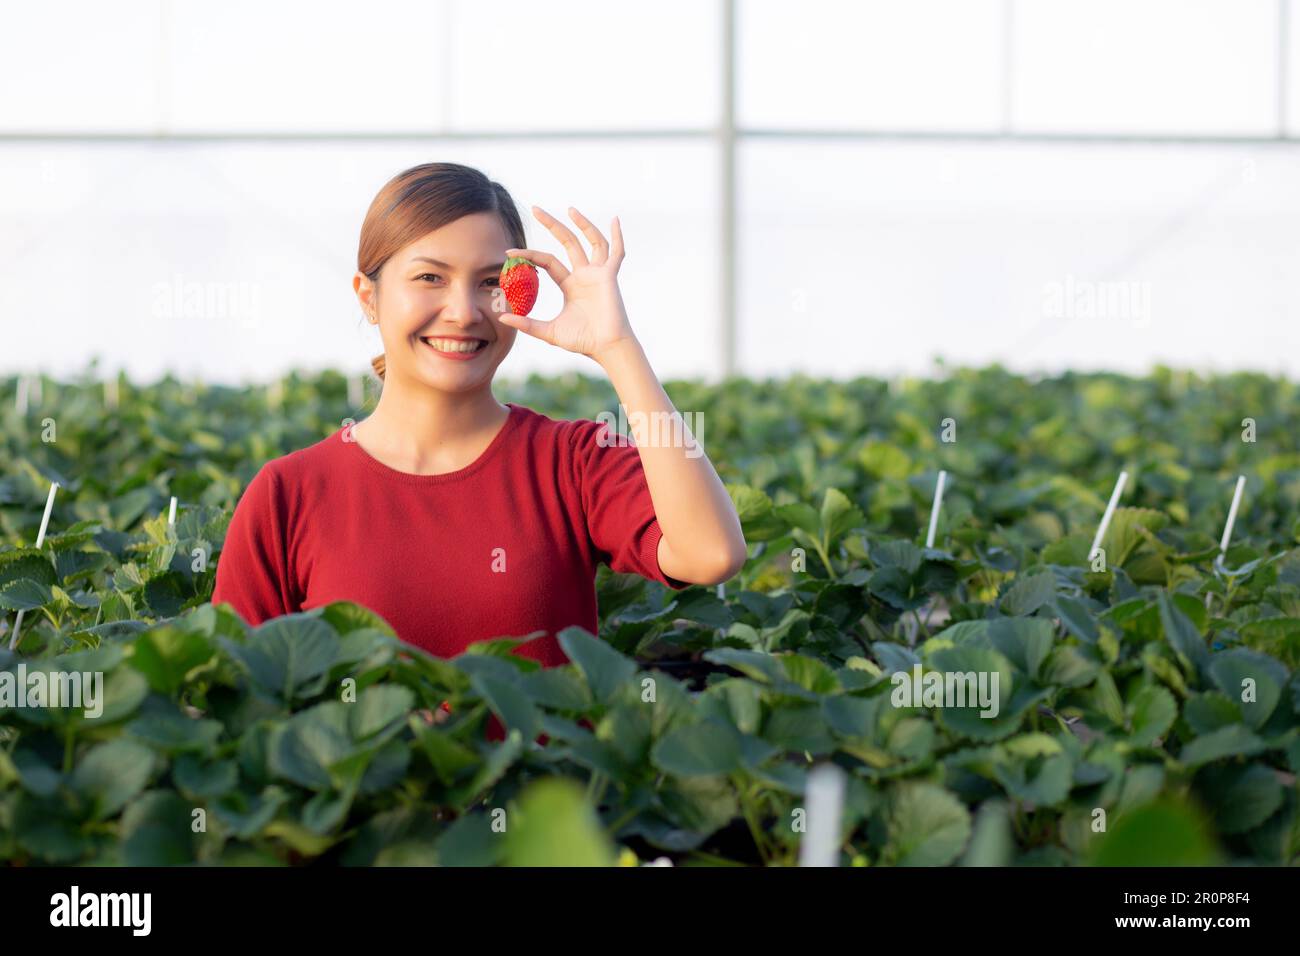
<point x="424" y="198"/>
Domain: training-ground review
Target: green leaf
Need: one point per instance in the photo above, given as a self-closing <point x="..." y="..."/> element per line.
<point x="471" y="840"/>
<point x="288" y="657"/>
<point x="810" y="673"/>
<point x="556" y="688"/>
<point x="248" y="815"/>
<point x="204" y="781"/>
<point x="1164" y="833"/>
<point x="1151" y="713"/>
<point x="124" y="691"/>
<point x="741" y="702"/>
<point x="928" y="826"/>
<point x="694" y="750"/>
<point x="758" y="519"/>
<point x="1028" y="593"/>
<point x="167" y="593"/>
<point x="1077" y="619"/>
<point x="1232" y="670"/>
<point x="798" y="728"/>
<point x="1210" y="711"/>
<point x="838" y="515"/>
<point x="110" y="774"/>
<point x="898" y="553"/>
<point x="447" y="756"/>
<point x="1069" y="667"/>
<point x="1124" y="536"/>
<point x="884" y="460"/>
<point x="47" y="832"/>
<point x="499" y="760"/>
<point x="1240" y="797"/>
<point x="801" y="516"/>
<point x="306" y="748"/>
<point x="513" y="709"/>
<point x="1043" y="781"/>
<point x="26" y="563"/>
<point x="323" y="813"/>
<point x="606" y="670"/>
<point x="1182" y="635"/>
<point x="1231" y="741"/>
<point x="348" y="616"/>
<point x="971" y="721"/>
<point x="174" y="733"/>
<point x="990" y="843"/>
<point x="157" y="830"/>
<point x="379" y="707"/>
<point x="167" y="656"/>
<point x="1026" y="642"/>
<point x="554" y="826"/>
<point x="24" y="595"/>
<point x="1106" y="699"/>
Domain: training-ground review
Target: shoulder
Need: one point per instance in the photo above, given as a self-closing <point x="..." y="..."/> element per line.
<point x="301" y="468"/>
<point x="566" y="436"/>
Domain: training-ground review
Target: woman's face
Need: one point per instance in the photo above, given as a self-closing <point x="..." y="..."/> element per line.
<point x="438" y="297"/>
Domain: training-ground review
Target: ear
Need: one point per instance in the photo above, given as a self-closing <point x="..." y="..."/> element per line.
<point x="365" y="290"/>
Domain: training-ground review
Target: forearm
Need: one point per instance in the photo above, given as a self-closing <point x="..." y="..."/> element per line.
<point x="702" y="541"/>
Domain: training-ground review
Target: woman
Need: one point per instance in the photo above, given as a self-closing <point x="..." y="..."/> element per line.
<point x="455" y="517"/>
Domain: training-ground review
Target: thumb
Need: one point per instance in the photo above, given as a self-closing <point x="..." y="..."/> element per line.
<point x="527" y="325"/>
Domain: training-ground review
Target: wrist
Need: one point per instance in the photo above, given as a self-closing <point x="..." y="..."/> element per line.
<point x="619" y="354"/>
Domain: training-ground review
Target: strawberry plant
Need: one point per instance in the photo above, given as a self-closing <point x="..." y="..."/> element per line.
<point x="1146" y="710"/>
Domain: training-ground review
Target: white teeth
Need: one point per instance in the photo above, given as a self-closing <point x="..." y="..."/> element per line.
<point x="455" y="345"/>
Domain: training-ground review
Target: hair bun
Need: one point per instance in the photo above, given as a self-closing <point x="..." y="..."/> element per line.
<point x="377" y="363"/>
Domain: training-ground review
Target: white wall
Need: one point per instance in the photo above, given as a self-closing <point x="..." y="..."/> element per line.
<point x="217" y="254"/>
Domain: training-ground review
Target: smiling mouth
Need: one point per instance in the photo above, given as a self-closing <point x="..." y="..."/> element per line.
<point x="454" y="346"/>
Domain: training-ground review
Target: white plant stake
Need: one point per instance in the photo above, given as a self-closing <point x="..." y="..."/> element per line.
<point x="1232" y="514"/>
<point x="110" y="393"/>
<point x="1227" y="530"/>
<point x="1110" y="512"/>
<point x="934" y="509"/>
<point x="20" y="398"/>
<point x="824" y="796"/>
<point x="40" y="540"/>
<point x="171" y="511"/>
<point x="356" y="392"/>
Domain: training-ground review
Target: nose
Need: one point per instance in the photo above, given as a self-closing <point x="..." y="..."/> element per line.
<point x="460" y="305"/>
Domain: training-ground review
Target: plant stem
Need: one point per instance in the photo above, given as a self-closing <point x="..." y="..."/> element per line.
<point x="617" y="825"/>
<point x="920" y="623"/>
<point x="826" y="559"/>
<point x="755" y="831"/>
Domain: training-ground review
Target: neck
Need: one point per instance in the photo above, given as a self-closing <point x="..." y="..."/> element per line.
<point x="414" y="420"/>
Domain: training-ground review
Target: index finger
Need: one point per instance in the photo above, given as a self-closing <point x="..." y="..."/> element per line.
<point x="577" y="255"/>
<point x="553" y="266"/>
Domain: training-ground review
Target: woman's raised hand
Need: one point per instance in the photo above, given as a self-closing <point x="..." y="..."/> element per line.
<point x="593" y="318"/>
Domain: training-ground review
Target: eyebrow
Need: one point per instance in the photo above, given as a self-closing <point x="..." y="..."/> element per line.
<point x="443" y="265"/>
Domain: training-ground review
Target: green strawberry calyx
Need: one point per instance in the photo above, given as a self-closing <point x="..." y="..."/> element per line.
<point x="515" y="261"/>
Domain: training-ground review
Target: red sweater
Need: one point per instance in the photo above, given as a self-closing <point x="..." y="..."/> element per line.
<point x="504" y="547"/>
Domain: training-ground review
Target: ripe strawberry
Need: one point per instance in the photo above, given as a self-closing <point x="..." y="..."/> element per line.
<point x="519" y="279"/>
<point x="445" y="707"/>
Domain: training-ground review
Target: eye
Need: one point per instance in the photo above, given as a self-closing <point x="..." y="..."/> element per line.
<point x="428" y="275"/>
<point x="495" y="280"/>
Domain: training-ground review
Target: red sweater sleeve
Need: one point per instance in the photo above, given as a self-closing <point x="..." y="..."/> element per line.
<point x="253" y="569"/>
<point x="617" y="506"/>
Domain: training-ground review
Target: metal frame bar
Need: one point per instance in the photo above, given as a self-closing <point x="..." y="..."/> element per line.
<point x="727" y="187"/>
<point x="1283" y="65"/>
<point x="739" y="132"/>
